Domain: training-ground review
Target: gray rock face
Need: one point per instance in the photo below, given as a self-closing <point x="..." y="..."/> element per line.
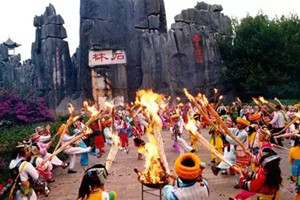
<point x="3" y="53"/>
<point x="117" y="25"/>
<point x="206" y="15"/>
<point x="13" y="74"/>
<point x="51" y="58"/>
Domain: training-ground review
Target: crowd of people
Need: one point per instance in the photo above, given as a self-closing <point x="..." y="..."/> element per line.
<point x="256" y="166"/>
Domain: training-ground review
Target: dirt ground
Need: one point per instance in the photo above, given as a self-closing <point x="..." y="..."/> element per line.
<point x="123" y="179"/>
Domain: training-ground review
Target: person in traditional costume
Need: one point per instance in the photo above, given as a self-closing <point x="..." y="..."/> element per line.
<point x="235" y="109"/>
<point x="106" y="123"/>
<point x="253" y="138"/>
<point x="264" y="136"/>
<point x="44" y="169"/>
<point x="278" y="123"/>
<point x="24" y="174"/>
<point x="217" y="142"/>
<point x="45" y="134"/>
<point x="99" y="140"/>
<point x="84" y="157"/>
<point x="193" y="138"/>
<point x="235" y="154"/>
<point x="179" y="144"/>
<point x="294" y="160"/>
<point x="137" y="136"/>
<point x="93" y="185"/>
<point x="190" y="183"/>
<point x="121" y="127"/>
<point x="43" y="148"/>
<point x="266" y="182"/>
<point x="72" y="150"/>
<point x="290" y="132"/>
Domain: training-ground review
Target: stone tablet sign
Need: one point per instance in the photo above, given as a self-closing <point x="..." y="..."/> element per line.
<point x="107" y="57"/>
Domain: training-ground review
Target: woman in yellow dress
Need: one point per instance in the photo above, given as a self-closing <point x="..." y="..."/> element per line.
<point x="217" y="142"/>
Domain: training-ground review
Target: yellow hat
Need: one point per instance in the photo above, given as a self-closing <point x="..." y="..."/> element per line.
<point x="242" y="121"/>
<point x="187" y="166"/>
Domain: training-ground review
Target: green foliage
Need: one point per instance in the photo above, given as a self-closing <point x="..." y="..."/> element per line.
<point x="264" y="57"/>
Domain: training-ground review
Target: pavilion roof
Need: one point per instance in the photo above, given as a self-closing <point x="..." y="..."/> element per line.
<point x="11" y="44"/>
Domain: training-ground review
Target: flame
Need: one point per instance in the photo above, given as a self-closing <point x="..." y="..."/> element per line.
<point x="199" y="96"/>
<point x="109" y="104"/>
<point x="297" y="105"/>
<point x="191" y="126"/>
<point x="92" y="109"/>
<point x="221" y="97"/>
<point x="204" y="99"/>
<point x="256" y="101"/>
<point x="178" y="98"/>
<point x="215" y="90"/>
<point x="188" y="95"/>
<point x="262" y="99"/>
<point x="297" y="114"/>
<point x="88" y="130"/>
<point x="155" y="170"/>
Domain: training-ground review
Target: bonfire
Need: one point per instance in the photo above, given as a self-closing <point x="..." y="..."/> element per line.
<point x="156" y="165"/>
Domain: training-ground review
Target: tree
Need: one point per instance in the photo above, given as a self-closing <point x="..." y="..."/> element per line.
<point x="264" y="57"/>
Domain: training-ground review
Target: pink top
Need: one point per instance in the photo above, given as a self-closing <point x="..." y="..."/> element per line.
<point x="43" y="148"/>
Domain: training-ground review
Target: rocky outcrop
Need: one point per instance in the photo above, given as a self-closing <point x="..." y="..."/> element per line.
<point x="51" y="58"/>
<point x="189" y="56"/>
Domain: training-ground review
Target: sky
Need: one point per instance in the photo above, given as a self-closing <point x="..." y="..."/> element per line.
<point x="16" y="16"/>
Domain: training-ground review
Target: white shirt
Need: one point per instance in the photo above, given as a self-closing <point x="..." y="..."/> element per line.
<point x="278" y="120"/>
<point x="44" y="138"/>
<point x="29" y="170"/>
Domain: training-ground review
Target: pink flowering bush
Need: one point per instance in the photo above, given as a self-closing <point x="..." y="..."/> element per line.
<point x="15" y="110"/>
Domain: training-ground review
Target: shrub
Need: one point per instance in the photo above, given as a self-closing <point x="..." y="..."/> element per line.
<point x="14" y="110"/>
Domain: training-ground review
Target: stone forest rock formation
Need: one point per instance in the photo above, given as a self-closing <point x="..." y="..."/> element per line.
<point x="188" y="56"/>
<point x="167" y="61"/>
<point x="51" y="58"/>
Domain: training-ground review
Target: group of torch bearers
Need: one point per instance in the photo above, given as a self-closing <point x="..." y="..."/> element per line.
<point x="242" y="137"/>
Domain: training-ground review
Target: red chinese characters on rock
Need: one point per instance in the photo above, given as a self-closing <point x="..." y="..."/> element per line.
<point x="118" y="56"/>
<point x="99" y="56"/>
<point x="198" y="50"/>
